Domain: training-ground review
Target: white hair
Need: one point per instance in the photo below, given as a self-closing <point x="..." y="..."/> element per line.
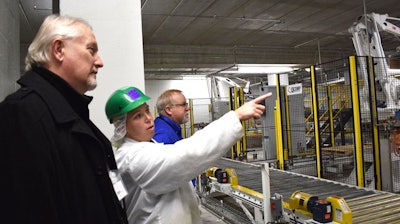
<point x="53" y="27"/>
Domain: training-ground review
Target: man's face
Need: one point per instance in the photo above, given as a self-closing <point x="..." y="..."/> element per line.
<point x="178" y="110"/>
<point x="81" y="61"/>
<point x="140" y="124"/>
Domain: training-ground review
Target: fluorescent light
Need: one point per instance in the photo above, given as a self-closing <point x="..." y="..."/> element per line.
<point x="316" y="69"/>
<point x="260" y="69"/>
<point x="194" y="77"/>
<point x="338" y="80"/>
<point x="391" y="70"/>
<point x="269" y="70"/>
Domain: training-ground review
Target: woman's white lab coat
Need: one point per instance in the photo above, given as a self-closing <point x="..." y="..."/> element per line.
<point x="157" y="176"/>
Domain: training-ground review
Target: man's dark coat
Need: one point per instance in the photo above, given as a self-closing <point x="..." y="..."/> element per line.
<point x="54" y="161"/>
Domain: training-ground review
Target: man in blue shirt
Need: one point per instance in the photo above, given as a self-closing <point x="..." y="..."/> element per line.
<point x="173" y="111"/>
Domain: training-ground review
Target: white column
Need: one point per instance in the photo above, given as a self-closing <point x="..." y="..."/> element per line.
<point x="117" y="26"/>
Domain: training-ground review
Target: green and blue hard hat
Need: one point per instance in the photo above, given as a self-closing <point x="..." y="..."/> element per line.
<point x="124" y="100"/>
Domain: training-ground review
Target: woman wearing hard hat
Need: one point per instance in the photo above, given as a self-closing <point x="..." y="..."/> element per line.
<point x="156" y="176"/>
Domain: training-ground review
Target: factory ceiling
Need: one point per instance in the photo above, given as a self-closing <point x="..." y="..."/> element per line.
<point x="202" y="37"/>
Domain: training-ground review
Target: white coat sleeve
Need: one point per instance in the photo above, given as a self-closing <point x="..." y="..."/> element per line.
<point x="159" y="168"/>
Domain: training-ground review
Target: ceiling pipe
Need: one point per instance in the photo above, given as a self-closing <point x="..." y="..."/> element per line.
<point x="243" y="18"/>
<point x="221" y="70"/>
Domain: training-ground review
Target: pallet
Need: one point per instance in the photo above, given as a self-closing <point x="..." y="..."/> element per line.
<point x="344" y="150"/>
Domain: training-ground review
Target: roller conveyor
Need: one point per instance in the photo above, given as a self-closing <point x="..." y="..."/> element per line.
<point x="367" y="206"/>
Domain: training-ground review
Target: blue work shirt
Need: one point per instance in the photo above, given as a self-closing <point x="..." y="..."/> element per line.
<point x="166" y="130"/>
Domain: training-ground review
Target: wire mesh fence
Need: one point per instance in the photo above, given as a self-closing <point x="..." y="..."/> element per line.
<point x="332" y="121"/>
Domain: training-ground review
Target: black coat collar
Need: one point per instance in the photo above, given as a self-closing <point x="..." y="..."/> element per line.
<point x="63" y="101"/>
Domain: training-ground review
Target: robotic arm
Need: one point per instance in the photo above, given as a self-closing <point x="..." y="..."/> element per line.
<point x="367" y="42"/>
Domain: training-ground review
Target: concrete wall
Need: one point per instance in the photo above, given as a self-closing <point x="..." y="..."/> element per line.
<point x="9" y="47"/>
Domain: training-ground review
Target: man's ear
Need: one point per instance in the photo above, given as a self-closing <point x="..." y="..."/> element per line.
<point x="167" y="111"/>
<point x="57" y="49"/>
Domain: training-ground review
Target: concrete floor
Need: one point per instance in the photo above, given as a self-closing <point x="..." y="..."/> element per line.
<point x="209" y="218"/>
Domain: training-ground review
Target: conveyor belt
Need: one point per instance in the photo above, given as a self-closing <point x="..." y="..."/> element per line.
<point x="367" y="206"/>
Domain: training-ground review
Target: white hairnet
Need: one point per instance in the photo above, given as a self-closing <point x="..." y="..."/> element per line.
<point x="119" y="130"/>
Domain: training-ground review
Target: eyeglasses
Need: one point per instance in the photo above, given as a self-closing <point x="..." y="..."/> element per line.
<point x="180" y="105"/>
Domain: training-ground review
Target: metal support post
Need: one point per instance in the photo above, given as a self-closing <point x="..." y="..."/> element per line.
<point x="266" y="192"/>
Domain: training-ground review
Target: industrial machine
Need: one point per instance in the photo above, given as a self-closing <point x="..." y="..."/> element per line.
<point x="320" y="210"/>
<point x="367" y="42"/>
<point x="252" y="193"/>
<point x="301" y="207"/>
<point x="332" y="209"/>
<point x="221" y="84"/>
<point x="252" y="203"/>
<point x="241" y="197"/>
